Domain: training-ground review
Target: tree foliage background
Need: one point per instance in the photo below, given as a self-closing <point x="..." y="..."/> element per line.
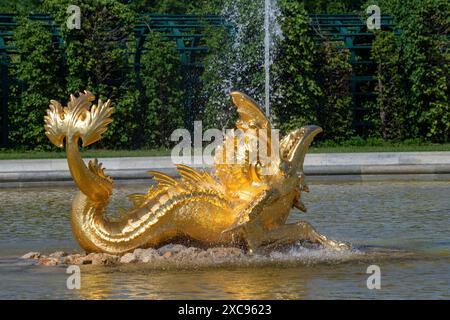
<point x="311" y="82"/>
<point x="413" y="70"/>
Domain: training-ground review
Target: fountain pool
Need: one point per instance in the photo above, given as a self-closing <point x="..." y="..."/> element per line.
<point x="401" y="227"/>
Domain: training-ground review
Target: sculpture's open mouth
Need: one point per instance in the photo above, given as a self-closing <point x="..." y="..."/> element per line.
<point x="289" y="144"/>
<point x="293" y="147"/>
<point x="297" y="141"/>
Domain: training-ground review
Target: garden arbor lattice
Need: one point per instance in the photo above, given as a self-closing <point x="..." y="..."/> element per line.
<point x="9" y="58"/>
<point x="187" y="31"/>
<point x="350" y="30"/>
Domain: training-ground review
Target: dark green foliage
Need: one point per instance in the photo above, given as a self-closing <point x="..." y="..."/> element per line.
<point x="310" y="83"/>
<point x="163" y="6"/>
<point x="332" y="6"/>
<point x="314" y="80"/>
<point x="419" y="65"/>
<point x="177" y="6"/>
<point x="162" y="102"/>
<point x="296" y="68"/>
<point x="334" y="111"/>
<point x="97" y="59"/>
<point x="390" y="101"/>
<point x="38" y="73"/>
<point x="96" y="55"/>
<point x="22" y="7"/>
<point x="427" y="63"/>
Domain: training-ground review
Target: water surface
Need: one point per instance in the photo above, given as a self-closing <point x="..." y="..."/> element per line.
<point x="401" y="227"/>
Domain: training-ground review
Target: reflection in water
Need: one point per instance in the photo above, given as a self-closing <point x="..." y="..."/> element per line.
<point x="386" y="221"/>
<point x="136" y="282"/>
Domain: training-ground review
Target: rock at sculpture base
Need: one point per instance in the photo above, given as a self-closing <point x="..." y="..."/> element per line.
<point x="180" y="256"/>
<point x="172" y="253"/>
<point x="128" y="258"/>
<point x="58" y="254"/>
<point x="31" y="255"/>
<point x="47" y="261"/>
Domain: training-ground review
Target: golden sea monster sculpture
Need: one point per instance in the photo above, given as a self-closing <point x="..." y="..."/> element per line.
<point x="235" y="205"/>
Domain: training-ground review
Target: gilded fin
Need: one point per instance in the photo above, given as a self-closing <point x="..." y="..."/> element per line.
<point x="78" y="118"/>
<point x="249" y="111"/>
<point x="82" y="102"/>
<point x="138" y="199"/>
<point x="189" y="174"/>
<point x="54" y="124"/>
<point x="244" y="170"/>
<point x="96" y="168"/>
<point x="163" y="179"/>
<point x="96" y="122"/>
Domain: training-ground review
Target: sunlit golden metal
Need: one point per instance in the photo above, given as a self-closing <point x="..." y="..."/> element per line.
<point x="236" y="205"/>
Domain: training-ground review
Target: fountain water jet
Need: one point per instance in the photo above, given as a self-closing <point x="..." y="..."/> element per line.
<point x="267" y="56"/>
<point x="271" y="31"/>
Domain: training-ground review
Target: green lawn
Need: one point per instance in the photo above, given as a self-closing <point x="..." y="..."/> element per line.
<point x="11" y="154"/>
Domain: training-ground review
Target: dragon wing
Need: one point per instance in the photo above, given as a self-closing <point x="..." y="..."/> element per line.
<point x="239" y="162"/>
<point x="250" y="114"/>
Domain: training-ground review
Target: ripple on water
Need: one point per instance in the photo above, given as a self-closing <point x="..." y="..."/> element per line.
<point x="375" y="217"/>
<point x="181" y="257"/>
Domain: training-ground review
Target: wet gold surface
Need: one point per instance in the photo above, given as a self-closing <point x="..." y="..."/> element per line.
<point x="245" y="203"/>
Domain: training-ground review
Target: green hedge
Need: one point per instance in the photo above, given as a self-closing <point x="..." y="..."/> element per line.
<point x="413" y="76"/>
<point x="39" y="76"/>
<point x="310" y="82"/>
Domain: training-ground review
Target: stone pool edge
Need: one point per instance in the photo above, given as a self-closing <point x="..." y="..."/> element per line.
<point x="325" y="167"/>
